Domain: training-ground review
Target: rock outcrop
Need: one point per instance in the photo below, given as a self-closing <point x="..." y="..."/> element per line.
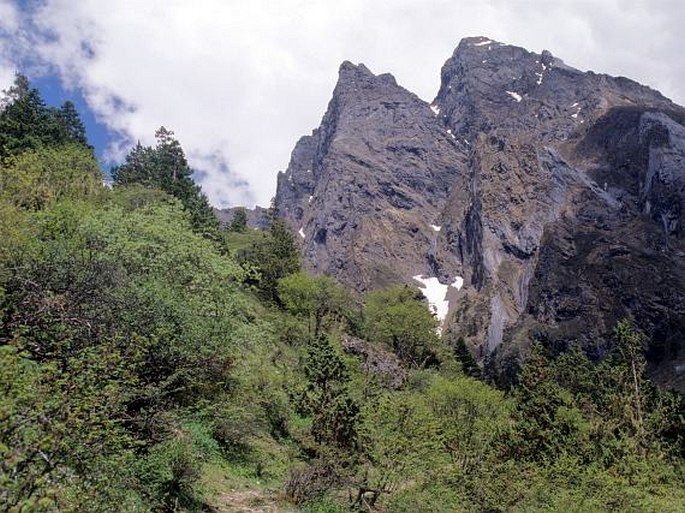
<point x="557" y="195"/>
<point x="364" y="189"/>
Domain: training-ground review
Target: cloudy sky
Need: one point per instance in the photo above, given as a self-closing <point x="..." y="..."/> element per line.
<point x="239" y="81"/>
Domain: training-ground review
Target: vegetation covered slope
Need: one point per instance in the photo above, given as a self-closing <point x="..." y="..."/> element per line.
<point x="153" y="362"/>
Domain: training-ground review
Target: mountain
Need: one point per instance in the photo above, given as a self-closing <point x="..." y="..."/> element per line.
<point x="538" y="201"/>
<point x="257" y="217"/>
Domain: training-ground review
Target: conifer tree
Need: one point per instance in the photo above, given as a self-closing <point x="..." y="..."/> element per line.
<point x="70" y="125"/>
<point x="468" y="362"/>
<point x="27" y="123"/>
<point x="239" y="221"/>
<point x="165" y="167"/>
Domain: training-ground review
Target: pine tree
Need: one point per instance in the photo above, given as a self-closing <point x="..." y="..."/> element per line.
<point x="326" y="396"/>
<point x="70" y="126"/>
<point x="25" y="121"/>
<point x="165" y="167"/>
<point x="137" y="167"/>
<point x="468" y="362"/>
<point x="239" y="221"/>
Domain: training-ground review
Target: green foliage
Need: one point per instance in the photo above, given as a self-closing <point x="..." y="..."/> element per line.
<point x="25" y="468"/>
<point x="169" y="474"/>
<point x="138" y="315"/>
<point x="26" y="123"/>
<point x="465" y="358"/>
<point x="16" y="234"/>
<point x="165" y="167"/>
<point x="273" y="257"/>
<point x="398" y="318"/>
<point x="472" y="417"/>
<point x="326" y="396"/>
<point x="549" y="423"/>
<point x="239" y="221"/>
<point x="62" y="425"/>
<point x="70" y="127"/>
<point x="433" y="497"/>
<point x="320" y="300"/>
<point x="401" y="441"/>
<point x="37" y="178"/>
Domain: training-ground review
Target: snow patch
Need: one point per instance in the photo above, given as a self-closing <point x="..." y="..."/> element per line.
<point x="467" y="143"/>
<point x="484" y="61"/>
<point x="436" y="293"/>
<point x="575" y="104"/>
<point x="483" y="43"/>
<point x="435" y="109"/>
<point x="514" y="95"/>
<point x="310" y="199"/>
<point x="540" y="75"/>
<point x="575" y="114"/>
<point x="451" y="134"/>
<point x="301" y="232"/>
<point x="435" y="227"/>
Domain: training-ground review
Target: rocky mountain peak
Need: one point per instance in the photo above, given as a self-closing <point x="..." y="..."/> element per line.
<point x="371" y="179"/>
<point x="357" y="79"/>
<point x="536" y="200"/>
<point x="483" y="79"/>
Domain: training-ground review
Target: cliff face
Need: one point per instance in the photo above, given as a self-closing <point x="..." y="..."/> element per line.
<point x="557" y="196"/>
<point x="364" y="189"/>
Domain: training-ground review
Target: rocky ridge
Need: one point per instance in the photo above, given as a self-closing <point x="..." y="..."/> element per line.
<point x="557" y="195"/>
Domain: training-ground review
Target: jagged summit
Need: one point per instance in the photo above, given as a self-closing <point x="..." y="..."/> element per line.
<point x="482" y="46"/>
<point x="556" y="195"/>
<point x="358" y="74"/>
<point x="350" y="71"/>
<point x="483" y="79"/>
<point x="379" y="151"/>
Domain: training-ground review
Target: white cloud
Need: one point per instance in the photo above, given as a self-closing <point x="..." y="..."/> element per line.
<point x="6" y="74"/>
<point x="9" y="25"/>
<point x="240" y="81"/>
<point x="9" y="15"/>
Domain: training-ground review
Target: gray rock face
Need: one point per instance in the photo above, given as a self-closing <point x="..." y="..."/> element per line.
<point x="558" y="193"/>
<point x="663" y="189"/>
<point x="364" y="189"/>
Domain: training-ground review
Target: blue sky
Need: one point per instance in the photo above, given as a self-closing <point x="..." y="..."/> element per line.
<point x="240" y="81"/>
<point x="54" y="94"/>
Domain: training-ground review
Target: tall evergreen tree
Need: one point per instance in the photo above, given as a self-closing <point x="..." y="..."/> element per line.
<point x="69" y="124"/>
<point x="27" y="123"/>
<point x="239" y="221"/>
<point x="326" y="396"/>
<point x="25" y="120"/>
<point x="165" y="167"/>
<point x="468" y="362"/>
